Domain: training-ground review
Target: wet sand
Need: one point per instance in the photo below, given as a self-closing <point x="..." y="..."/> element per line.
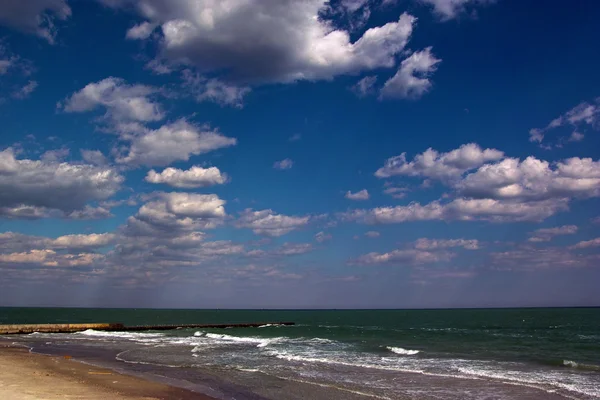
<point x="28" y="376"/>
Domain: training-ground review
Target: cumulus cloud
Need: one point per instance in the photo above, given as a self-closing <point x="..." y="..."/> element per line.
<point x="322" y="237"/>
<point x="546" y="234"/>
<point x="412" y="79"/>
<point x="269" y="223"/>
<point x="533" y="180"/>
<point x="37" y="185"/>
<point x="176" y="214"/>
<point x="360" y="195"/>
<point x="283" y="164"/>
<point x="402" y="257"/>
<point x="583" y="115"/>
<point x="436" y="244"/>
<point x="256" y="41"/>
<point x="123" y="102"/>
<point x="195" y="177"/>
<point x="177" y="141"/>
<point x="449" y="9"/>
<point x="443" y="166"/>
<point x="36" y="17"/>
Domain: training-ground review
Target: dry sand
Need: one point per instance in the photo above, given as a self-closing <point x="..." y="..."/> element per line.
<point x="27" y="376"/>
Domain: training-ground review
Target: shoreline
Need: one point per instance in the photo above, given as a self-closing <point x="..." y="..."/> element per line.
<point x="27" y="376"/>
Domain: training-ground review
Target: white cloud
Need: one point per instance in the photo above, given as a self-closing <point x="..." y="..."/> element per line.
<point x="533" y="180"/>
<point x="360" y="195"/>
<point x="406" y="257"/>
<point x="26" y="90"/>
<point x="82" y="241"/>
<point x="580" y="116"/>
<point x="256" y="41"/>
<point x="365" y="86"/>
<point x="587" y="244"/>
<point x="34" y="17"/>
<point x="412" y="79"/>
<point x="395" y="191"/>
<point x="94" y="157"/>
<point x="283" y="164"/>
<point x="140" y="31"/>
<point x="177" y="141"/>
<point x="88" y="213"/>
<point x="57" y="155"/>
<point x="215" y="90"/>
<point x="436" y="244"/>
<point x="459" y="209"/>
<point x="576" y="137"/>
<point x="443" y="166"/>
<point x="195" y="177"/>
<point x="123" y="102"/>
<point x="372" y="234"/>
<point x="449" y="9"/>
<point x="295" y="137"/>
<point x="176" y="214"/>
<point x="322" y="237"/>
<point x="546" y="234"/>
<point x="267" y="222"/>
<point x="35" y="185"/>
<point x="50" y="258"/>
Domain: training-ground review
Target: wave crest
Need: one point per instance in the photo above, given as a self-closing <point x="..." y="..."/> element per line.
<point x="404" y="352"/>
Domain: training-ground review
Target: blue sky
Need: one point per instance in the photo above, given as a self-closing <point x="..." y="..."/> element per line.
<point x="352" y="153"/>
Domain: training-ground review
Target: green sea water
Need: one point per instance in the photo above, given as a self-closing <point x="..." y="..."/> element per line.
<point x="552" y="350"/>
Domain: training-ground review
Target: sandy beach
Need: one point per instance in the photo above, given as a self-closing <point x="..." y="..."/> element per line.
<point x="28" y="376"/>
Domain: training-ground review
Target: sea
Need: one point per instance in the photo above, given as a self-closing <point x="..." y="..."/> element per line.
<point x="492" y="354"/>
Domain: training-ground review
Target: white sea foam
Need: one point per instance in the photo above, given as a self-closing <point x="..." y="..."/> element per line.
<point x="120" y="335"/>
<point x="404" y="352"/>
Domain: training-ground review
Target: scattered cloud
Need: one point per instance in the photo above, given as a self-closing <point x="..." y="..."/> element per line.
<point x="407" y="257"/>
<point x="267" y="222"/>
<point x="195" y="177"/>
<point x="365" y="86"/>
<point x="215" y="90"/>
<point x="26" y="90"/>
<point x="450" y="9"/>
<point x="123" y="102"/>
<point x="442" y="166"/>
<point x="359" y="196"/>
<point x="322" y="237"/>
<point x="546" y="234"/>
<point x="587" y="244"/>
<point x="372" y="234"/>
<point x="581" y="116"/>
<point x="295" y="137"/>
<point x="57" y="155"/>
<point x="412" y="79"/>
<point x="436" y="244"/>
<point x="177" y="141"/>
<point x="36" y="17"/>
<point x="283" y="164"/>
<point x="94" y="157"/>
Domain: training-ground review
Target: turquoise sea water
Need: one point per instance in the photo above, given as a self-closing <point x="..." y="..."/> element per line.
<point x="393" y="354"/>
